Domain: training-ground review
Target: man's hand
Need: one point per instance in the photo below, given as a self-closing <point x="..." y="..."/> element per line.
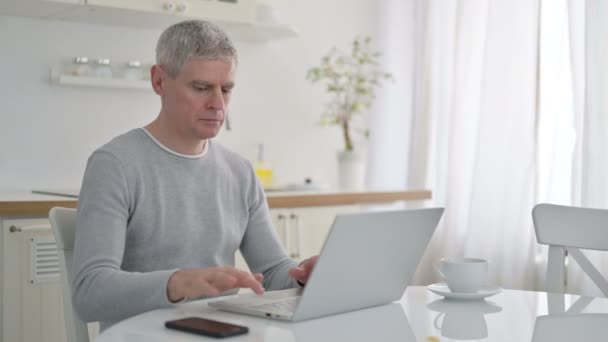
<point x="196" y="282"/>
<point x="303" y="271"/>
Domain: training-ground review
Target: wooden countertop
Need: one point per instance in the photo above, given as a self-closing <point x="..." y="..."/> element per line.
<point x="25" y="204"/>
<point x="320" y="199"/>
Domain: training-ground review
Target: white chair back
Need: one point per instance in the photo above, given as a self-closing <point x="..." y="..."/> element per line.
<point x="566" y="228"/>
<point x="63" y="222"/>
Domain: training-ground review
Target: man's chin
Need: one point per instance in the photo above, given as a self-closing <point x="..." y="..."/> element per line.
<point x="207" y="133"/>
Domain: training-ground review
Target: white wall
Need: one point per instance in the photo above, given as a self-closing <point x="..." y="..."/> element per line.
<point x="47" y="131"/>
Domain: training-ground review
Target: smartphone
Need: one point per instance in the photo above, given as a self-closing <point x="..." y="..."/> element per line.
<point x="206" y="327"/>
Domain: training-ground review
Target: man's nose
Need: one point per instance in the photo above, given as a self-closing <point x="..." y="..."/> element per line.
<point x="217" y="100"/>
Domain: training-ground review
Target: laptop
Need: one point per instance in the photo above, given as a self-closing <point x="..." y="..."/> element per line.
<point x="367" y="259"/>
<point x="570" y="327"/>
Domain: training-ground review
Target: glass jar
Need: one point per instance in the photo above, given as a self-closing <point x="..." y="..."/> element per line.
<point x="145" y="71"/>
<point x="133" y="70"/>
<point x="80" y="66"/>
<point x="103" y="68"/>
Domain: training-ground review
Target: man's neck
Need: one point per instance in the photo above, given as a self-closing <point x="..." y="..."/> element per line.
<point x="173" y="140"/>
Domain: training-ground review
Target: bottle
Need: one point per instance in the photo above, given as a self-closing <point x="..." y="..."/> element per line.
<point x="262" y="169"/>
<point x="133" y="71"/>
<point x="103" y="68"/>
<point x="80" y="66"/>
<point x="145" y="71"/>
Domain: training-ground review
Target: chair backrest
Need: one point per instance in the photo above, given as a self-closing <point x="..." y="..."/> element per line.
<point x="63" y="223"/>
<point x="566" y="228"/>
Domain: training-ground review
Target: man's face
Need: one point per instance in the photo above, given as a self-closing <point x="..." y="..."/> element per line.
<point x="196" y="100"/>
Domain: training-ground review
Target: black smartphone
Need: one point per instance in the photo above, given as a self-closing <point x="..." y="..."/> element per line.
<point x="206" y="327"/>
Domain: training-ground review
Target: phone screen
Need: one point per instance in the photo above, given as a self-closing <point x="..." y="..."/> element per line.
<point x="206" y="327"/>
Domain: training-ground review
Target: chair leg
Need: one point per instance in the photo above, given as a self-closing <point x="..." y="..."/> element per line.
<point x="556" y="269"/>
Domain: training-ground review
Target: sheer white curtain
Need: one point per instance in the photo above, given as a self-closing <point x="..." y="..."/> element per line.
<point x="589" y="43"/>
<point x="556" y="133"/>
<point x="466" y="119"/>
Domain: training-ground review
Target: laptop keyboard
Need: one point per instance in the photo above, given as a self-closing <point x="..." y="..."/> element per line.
<point x="286" y="305"/>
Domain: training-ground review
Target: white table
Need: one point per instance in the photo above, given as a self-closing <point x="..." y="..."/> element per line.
<point x="510" y="316"/>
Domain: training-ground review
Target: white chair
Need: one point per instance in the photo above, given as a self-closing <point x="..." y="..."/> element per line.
<point x="566" y="228"/>
<point x="63" y="222"/>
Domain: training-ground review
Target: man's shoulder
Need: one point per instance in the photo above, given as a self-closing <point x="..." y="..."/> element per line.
<point x="125" y="145"/>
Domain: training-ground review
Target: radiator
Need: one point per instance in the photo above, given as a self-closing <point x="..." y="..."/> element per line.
<point x="32" y="304"/>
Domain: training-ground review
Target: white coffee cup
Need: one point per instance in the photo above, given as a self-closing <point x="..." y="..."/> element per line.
<point x="463" y="275"/>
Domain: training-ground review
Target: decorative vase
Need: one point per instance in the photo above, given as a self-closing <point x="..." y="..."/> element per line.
<point x="351" y="171"/>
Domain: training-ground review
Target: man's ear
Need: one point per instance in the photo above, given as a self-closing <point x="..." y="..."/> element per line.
<point x="157" y="77"/>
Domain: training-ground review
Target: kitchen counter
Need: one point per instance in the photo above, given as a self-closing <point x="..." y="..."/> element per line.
<point x="26" y="204"/>
<point x="325" y="198"/>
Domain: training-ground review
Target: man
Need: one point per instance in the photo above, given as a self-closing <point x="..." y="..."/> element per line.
<point x="164" y="208"/>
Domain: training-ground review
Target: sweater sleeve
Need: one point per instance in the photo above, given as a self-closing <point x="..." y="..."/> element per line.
<point x="261" y="247"/>
<point x="101" y="291"/>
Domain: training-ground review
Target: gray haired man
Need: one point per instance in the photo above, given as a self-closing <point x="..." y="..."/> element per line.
<point x="164" y="208"/>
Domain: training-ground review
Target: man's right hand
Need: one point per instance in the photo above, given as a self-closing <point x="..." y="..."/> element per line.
<point x="197" y="282"/>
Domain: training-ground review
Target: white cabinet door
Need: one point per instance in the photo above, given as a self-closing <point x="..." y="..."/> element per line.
<point x="37" y="8"/>
<point x="303" y="230"/>
<point x="223" y="10"/>
<point x="279" y="220"/>
<point x="312" y="226"/>
<point x="70" y="2"/>
<point x="151" y="6"/>
<point x="239" y="11"/>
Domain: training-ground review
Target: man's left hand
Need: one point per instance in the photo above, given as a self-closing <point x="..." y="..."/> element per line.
<point x="303" y="271"/>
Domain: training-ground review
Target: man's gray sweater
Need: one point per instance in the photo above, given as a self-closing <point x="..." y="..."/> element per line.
<point x="145" y="211"/>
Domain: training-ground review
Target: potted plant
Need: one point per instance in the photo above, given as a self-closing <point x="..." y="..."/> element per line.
<point x="351" y="79"/>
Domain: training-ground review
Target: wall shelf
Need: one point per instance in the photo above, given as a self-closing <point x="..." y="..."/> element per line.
<point x="103" y="82"/>
<point x="89" y="81"/>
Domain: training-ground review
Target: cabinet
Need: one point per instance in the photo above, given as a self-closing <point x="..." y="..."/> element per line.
<point x="240" y="11"/>
<point x="302" y="231"/>
<point x="37" y="8"/>
<point x="233" y="11"/>
<point x="73" y="2"/>
<point x="236" y="17"/>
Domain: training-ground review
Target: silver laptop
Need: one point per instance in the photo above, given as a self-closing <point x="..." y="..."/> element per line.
<point x="368" y="259"/>
<point x="571" y="327"/>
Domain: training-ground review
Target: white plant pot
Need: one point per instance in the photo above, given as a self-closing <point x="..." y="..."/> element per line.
<point x="351" y="171"/>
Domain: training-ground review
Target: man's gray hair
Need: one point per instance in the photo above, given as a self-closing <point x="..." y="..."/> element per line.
<point x="192" y="38"/>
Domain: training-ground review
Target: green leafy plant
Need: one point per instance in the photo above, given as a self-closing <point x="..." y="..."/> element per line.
<point x="351" y="79"/>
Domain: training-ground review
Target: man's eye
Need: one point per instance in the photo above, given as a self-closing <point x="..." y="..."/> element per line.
<point x="200" y="89"/>
<point x="227" y="91"/>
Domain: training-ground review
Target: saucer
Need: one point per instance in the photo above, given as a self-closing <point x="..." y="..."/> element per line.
<point x="443" y="290"/>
